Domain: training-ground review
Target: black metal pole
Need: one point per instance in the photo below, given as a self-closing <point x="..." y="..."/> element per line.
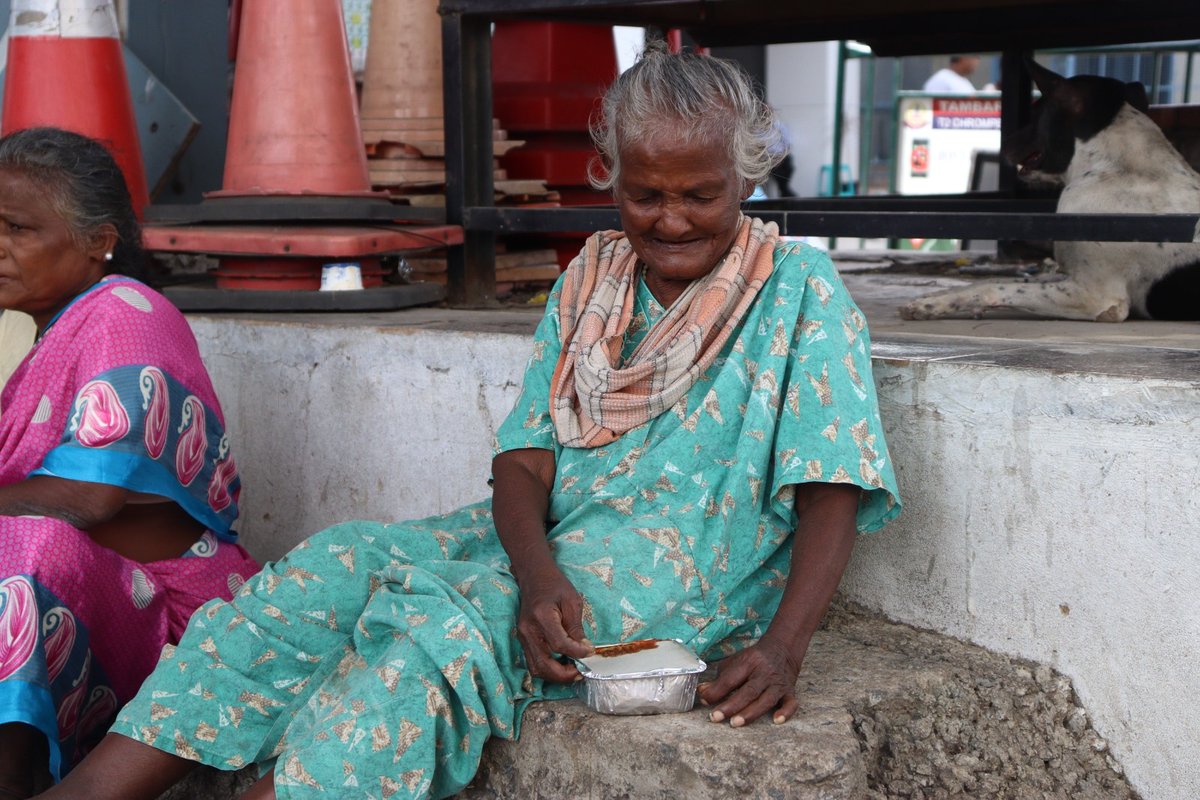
<point x="1015" y="104"/>
<point x="839" y="97"/>
<point x="467" y="74"/>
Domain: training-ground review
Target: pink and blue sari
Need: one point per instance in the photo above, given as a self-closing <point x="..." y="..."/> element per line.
<point x="114" y="392"/>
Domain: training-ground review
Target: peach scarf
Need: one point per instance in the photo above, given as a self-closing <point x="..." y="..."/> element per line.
<point x="592" y="399"/>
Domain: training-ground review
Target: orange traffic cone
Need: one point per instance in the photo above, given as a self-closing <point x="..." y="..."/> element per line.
<point x="65" y="69"/>
<point x="403" y="75"/>
<point x="293" y="123"/>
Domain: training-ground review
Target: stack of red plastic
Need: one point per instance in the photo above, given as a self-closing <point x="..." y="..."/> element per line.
<point x="547" y="81"/>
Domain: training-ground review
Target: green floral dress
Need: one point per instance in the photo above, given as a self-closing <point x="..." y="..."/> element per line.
<point x="375" y="660"/>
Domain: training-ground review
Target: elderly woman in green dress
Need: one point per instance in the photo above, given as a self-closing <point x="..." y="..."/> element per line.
<point x="696" y="443"/>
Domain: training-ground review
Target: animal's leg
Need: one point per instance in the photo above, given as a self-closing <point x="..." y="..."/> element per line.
<point x="1065" y="299"/>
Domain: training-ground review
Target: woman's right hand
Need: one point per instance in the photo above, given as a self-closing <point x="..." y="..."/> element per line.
<point x="551" y="616"/>
<point x="551" y="621"/>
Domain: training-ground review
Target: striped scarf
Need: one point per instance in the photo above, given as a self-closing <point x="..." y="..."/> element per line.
<point x="593" y="399"/>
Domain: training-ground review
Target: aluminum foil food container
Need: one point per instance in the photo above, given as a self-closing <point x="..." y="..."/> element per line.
<point x="649" y="676"/>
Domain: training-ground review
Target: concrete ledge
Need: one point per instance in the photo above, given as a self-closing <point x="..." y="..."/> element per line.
<point x="374" y="416"/>
<point x="1049" y="515"/>
<point x="1048" y="471"/>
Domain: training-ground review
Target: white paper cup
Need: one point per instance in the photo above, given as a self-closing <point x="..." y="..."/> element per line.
<point x="341" y="277"/>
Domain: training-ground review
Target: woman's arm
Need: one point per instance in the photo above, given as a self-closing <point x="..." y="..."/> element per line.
<point x="762" y="677"/>
<point x="82" y="504"/>
<point x="551" y="618"/>
<point x="137" y="526"/>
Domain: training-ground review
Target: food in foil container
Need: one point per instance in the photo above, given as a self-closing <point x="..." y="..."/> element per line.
<point x="648" y="676"/>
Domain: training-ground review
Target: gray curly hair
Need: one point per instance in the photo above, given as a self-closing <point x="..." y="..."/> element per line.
<point x="84" y="186"/>
<point x="696" y="96"/>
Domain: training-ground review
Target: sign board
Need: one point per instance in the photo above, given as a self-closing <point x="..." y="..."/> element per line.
<point x="939" y="136"/>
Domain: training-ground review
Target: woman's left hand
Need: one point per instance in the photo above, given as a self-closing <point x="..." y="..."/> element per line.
<point x="758" y="680"/>
<point x="762" y="677"/>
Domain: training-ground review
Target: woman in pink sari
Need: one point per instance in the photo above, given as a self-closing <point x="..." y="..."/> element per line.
<point x="118" y="489"/>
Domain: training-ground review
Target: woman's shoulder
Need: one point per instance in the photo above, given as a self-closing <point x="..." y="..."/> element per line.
<point x="793" y="254"/>
<point x="122" y="320"/>
<point x="549" y="327"/>
<point x="133" y="293"/>
<point x="807" y="283"/>
<point x="803" y="271"/>
<point x="129" y="302"/>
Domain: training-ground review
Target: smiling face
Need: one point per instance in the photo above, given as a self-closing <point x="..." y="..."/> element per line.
<point x="680" y="207"/>
<point x="42" y="267"/>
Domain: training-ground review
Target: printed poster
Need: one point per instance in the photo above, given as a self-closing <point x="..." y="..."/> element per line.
<point x="938" y="139"/>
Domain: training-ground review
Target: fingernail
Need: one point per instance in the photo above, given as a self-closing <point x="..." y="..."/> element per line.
<point x="717" y="716"/>
<point x="703" y="702"/>
<point x="578" y="678"/>
<point x="737" y="722"/>
<point x="780" y="719"/>
<point x="586" y="642"/>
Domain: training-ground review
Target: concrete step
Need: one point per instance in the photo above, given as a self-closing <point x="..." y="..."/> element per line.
<point x="887" y="711"/>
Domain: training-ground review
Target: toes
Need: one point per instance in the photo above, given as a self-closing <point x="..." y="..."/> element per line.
<point x="917" y="310"/>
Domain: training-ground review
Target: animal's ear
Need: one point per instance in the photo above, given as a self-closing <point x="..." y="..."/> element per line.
<point x="1135" y="95"/>
<point x="1045" y="79"/>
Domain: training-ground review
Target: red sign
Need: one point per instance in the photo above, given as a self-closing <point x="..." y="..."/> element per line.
<point x="966" y="113"/>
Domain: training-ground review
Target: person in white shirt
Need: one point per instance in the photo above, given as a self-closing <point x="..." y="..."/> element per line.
<point x="783" y="171"/>
<point x="953" y="79"/>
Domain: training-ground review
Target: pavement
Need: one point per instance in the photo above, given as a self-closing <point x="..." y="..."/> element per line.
<point x="882" y="281"/>
<point x="1135" y="349"/>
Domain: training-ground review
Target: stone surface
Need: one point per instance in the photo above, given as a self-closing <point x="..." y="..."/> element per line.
<point x="206" y="783"/>
<point x="886" y="711"/>
<point x="567" y="750"/>
<point x="947" y="719"/>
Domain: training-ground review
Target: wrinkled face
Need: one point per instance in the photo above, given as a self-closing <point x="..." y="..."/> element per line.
<point x="679" y="205"/>
<point x="41" y="266"/>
